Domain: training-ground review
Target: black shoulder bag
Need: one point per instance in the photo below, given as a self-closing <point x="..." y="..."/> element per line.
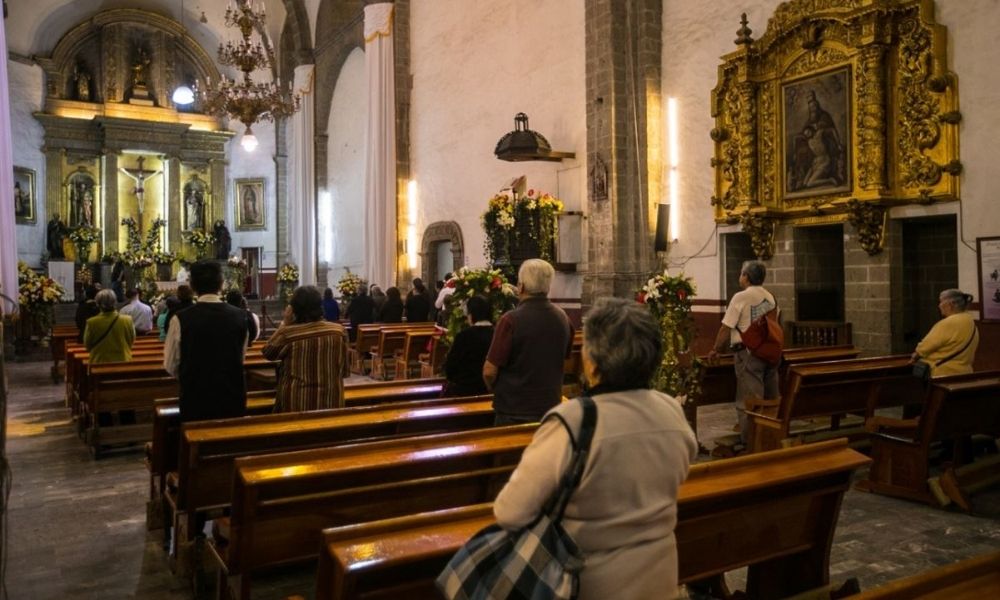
<point x="541" y="561"/>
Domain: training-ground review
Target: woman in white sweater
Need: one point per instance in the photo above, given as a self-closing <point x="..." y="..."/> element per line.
<point x="623" y="513"/>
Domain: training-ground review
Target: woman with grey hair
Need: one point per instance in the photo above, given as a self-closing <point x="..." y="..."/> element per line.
<point x="622" y="515"/>
<point x="109" y="335"/>
<point x="950" y="346"/>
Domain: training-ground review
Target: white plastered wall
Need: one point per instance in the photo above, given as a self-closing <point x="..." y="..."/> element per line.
<point x="26" y="96"/>
<point x="341" y="206"/>
<point x="475" y="65"/>
<point x="253" y="165"/>
<point x="696" y="35"/>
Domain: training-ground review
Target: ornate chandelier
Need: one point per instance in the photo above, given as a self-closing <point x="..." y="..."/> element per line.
<point x="245" y="100"/>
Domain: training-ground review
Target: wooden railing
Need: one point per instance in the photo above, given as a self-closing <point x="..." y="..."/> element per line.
<point x="818" y="333"/>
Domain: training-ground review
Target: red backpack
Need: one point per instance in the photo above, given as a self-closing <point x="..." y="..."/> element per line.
<point x="764" y="338"/>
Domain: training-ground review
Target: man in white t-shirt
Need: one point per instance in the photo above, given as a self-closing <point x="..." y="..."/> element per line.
<point x="142" y="314"/>
<point x="755" y="378"/>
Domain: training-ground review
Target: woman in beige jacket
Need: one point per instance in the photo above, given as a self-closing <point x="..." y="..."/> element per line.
<point x="623" y="513"/>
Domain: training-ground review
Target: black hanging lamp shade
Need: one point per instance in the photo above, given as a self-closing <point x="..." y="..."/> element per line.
<point x="524" y="144"/>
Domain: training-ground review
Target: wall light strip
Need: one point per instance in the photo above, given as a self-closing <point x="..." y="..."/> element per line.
<point x="673" y="173"/>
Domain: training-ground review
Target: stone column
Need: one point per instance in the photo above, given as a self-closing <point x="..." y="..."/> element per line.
<point x="217" y="180"/>
<point x="281" y="192"/>
<point x="109" y="200"/>
<point x="173" y="215"/>
<point x="624" y="47"/>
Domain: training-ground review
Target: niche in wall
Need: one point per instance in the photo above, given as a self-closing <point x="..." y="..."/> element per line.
<point x="819" y="273"/>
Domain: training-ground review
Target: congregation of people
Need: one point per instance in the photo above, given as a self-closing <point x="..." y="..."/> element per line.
<point x="642" y="442"/>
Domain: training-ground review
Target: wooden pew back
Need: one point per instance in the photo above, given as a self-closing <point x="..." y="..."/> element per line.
<point x="281" y="502"/>
<point x="400" y="557"/>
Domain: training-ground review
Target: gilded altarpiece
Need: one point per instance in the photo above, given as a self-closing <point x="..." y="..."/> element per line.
<point x="840" y="110"/>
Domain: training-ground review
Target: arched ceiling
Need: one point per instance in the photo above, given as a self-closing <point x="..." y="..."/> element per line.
<point x="34" y="27"/>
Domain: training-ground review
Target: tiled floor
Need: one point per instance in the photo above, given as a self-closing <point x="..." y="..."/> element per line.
<point x="77" y="526"/>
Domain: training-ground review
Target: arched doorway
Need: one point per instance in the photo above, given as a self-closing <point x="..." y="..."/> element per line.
<point x="440" y="240"/>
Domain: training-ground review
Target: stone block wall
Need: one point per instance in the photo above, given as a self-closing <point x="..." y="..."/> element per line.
<point x="819" y="272"/>
<point x="867" y="293"/>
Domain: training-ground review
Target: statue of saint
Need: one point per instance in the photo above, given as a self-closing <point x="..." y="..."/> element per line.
<point x="55" y="231"/>
<point x="82" y="84"/>
<point x="223" y="241"/>
<point x="194" y="203"/>
<point x="139" y="68"/>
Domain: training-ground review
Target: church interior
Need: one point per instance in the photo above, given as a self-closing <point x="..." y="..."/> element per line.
<point x="642" y="147"/>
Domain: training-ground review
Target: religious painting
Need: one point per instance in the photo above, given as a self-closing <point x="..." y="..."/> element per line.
<point x="250" y="206"/>
<point x="24" y="196"/>
<point x="195" y="195"/>
<point x="988" y="251"/>
<point x="815" y="127"/>
<point x="81" y="194"/>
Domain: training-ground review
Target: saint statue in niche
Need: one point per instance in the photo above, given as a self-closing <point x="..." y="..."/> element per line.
<point x="82" y="83"/>
<point x="81" y="199"/>
<point x="194" y="203"/>
<point x="139" y="68"/>
<point x="223" y="240"/>
<point x="55" y="231"/>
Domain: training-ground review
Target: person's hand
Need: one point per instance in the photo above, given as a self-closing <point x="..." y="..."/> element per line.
<point x="914" y="358"/>
<point x="289" y="317"/>
<point x="713" y="357"/>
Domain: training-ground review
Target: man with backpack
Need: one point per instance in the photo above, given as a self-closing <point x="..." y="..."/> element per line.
<point x="750" y="330"/>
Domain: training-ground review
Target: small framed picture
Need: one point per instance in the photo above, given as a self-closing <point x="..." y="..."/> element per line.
<point x="24" y="196"/>
<point x="251" y="210"/>
<point x="988" y="252"/>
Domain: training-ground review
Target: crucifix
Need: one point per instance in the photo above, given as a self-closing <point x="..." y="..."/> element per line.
<point x="139" y="176"/>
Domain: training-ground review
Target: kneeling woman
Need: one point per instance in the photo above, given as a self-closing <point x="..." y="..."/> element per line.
<point x="623" y="513"/>
<point x="313" y="355"/>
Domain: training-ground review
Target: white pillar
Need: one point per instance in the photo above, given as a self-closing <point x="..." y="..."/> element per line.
<point x="8" y="245"/>
<point x="301" y="179"/>
<point x="380" y="156"/>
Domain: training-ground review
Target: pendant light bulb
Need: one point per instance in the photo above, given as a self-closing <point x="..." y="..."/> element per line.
<point x="183" y="96"/>
<point x="249" y="141"/>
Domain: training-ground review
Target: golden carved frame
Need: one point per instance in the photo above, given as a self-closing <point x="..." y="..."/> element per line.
<point x="903" y="113"/>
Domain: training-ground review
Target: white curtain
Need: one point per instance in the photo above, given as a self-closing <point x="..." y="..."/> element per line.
<point x="380" y="157"/>
<point x="302" y="181"/>
<point x="8" y="245"/>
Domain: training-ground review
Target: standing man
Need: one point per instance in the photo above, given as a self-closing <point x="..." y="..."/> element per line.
<point x="142" y="314"/>
<point x="205" y="348"/>
<point x="524" y="366"/>
<point x="755" y="378"/>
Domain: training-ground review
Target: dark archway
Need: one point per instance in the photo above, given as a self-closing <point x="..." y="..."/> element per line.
<point x="441" y="231"/>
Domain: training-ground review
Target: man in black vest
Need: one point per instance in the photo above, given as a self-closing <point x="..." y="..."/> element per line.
<point x="524" y="367"/>
<point x="204" y="349"/>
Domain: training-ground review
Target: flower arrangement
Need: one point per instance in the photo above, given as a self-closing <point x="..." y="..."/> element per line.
<point x="201" y="240"/>
<point x="236" y="271"/>
<point x="133" y="235"/>
<point x="669" y="300"/>
<point x="136" y="260"/>
<point x="288" y="273"/>
<point x="350" y="285"/>
<point x="83" y="237"/>
<point x="36" y="295"/>
<point x="489" y="283"/>
<point x="502" y="222"/>
<point x="164" y="258"/>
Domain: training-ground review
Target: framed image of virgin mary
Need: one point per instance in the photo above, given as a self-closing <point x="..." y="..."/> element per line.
<point x="251" y="210"/>
<point x="816" y="119"/>
<point x="24" y="196"/>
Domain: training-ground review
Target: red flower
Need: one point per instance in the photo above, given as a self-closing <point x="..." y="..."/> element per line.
<point x="531" y="192"/>
<point x="640" y="297"/>
<point x="451" y="283"/>
<point x="495" y="283"/>
<point x="681" y="294"/>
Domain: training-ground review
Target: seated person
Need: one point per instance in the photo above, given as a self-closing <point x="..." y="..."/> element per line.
<point x="109" y="335"/>
<point x="464" y="366"/>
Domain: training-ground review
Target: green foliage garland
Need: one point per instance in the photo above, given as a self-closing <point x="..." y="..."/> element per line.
<point x="669" y="301"/>
<point x="489" y="283"/>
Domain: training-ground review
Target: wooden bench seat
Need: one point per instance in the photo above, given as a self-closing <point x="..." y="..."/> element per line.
<point x="162" y="452"/>
<point x="202" y="485"/>
<point x="392" y="342"/>
<point x="282" y="502"/>
<point x="726" y="520"/>
<point x="359" y="353"/>
<point x="407" y="361"/>
<point x="831" y="389"/>
<point x="953" y="410"/>
<point x="971" y="579"/>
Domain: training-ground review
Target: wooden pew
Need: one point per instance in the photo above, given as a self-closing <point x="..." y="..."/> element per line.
<point x="408" y="360"/>
<point x="971" y="579"/>
<point x="391" y="341"/>
<point x="831" y="389"/>
<point x="728" y="514"/>
<point x="282" y="502"/>
<point x="203" y="482"/>
<point x="161" y="454"/>
<point x="432" y="364"/>
<point x="368" y="336"/>
<point x="61" y="335"/>
<point x="953" y="409"/>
